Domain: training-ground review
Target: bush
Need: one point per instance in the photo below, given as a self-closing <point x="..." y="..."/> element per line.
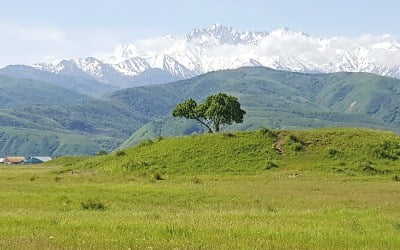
<point x="268" y="132"/>
<point x="120" y="153"/>
<point x="331" y="152"/>
<point x="388" y="150"/>
<point x="101" y="152"/>
<point x="369" y="169"/>
<point x="271" y="165"/>
<point x="145" y="143"/>
<point x="228" y="134"/>
<point x="294" y="138"/>
<point x="297" y="147"/>
<point x="158" y="177"/>
<point x="33" y="178"/>
<point x="133" y="165"/>
<point x="57" y="178"/>
<point x="93" y="205"/>
<point x="396" y="178"/>
<point x="197" y="180"/>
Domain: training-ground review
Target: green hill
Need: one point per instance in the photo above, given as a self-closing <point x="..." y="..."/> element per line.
<point x="17" y="93"/>
<point x="28" y="142"/>
<point x="339" y="150"/>
<point x="313" y="189"/>
<point x="276" y="99"/>
<point x="42" y="118"/>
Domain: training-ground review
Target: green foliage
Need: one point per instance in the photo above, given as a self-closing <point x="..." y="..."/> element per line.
<point x="158" y="177"/>
<point x="297" y="147"/>
<point x="146" y="142"/>
<point x="294" y="138"/>
<point x="197" y="180"/>
<point x="268" y="132"/>
<point x="93" y="205"/>
<point x="120" y="153"/>
<point x="331" y="152"/>
<point x="388" y="150"/>
<point x="217" y="110"/>
<point x="271" y="165"/>
<point x="101" y="152"/>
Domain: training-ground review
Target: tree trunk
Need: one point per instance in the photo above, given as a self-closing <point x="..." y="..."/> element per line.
<point x="205" y="124"/>
<point x="216" y="125"/>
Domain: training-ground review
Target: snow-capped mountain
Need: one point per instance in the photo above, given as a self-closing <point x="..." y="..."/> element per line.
<point x="218" y="47"/>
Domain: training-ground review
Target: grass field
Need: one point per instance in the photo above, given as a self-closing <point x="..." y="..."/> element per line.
<point x="324" y="194"/>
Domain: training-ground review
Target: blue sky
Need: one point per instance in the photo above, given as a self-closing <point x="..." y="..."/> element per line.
<point x="43" y="30"/>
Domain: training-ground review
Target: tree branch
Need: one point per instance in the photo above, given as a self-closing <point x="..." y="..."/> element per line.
<point x="205" y="124"/>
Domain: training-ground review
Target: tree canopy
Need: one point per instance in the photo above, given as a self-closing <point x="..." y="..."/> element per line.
<point x="216" y="110"/>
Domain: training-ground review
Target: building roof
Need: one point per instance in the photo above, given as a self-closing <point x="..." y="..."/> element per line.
<point x="14" y="159"/>
<point x="42" y="158"/>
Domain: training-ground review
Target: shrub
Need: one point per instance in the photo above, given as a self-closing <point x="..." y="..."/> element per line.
<point x="158" y="177"/>
<point x="228" y="134"/>
<point x="268" y="132"/>
<point x="297" y="147"/>
<point x="33" y="178"/>
<point x="93" y="205"/>
<point x="197" y="180"/>
<point x="294" y="138"/>
<point x="132" y="165"/>
<point x="369" y="169"/>
<point x="101" y="152"/>
<point x="57" y="178"/>
<point x="145" y="143"/>
<point x="120" y="153"/>
<point x="271" y="165"/>
<point x="396" y="226"/>
<point x="331" y="152"/>
<point x="159" y="138"/>
<point x="388" y="150"/>
<point x="396" y="178"/>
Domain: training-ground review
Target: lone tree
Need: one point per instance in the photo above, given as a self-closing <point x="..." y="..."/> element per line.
<point x="217" y="110"/>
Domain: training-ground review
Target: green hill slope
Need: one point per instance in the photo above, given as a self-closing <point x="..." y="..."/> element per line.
<point x="16" y="93"/>
<point x="28" y="142"/>
<point x="338" y="150"/>
<point x="277" y="99"/>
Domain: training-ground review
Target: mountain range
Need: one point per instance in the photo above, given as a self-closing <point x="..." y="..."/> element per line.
<point x="168" y="58"/>
<point x="37" y="117"/>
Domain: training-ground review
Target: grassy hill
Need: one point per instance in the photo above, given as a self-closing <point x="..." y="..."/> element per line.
<point x="82" y="85"/>
<point x="31" y="142"/>
<point x="37" y="117"/>
<point x="314" y="189"/>
<point x="17" y="93"/>
<point x="333" y="150"/>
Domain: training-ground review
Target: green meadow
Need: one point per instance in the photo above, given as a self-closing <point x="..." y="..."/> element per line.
<point x="315" y="189"/>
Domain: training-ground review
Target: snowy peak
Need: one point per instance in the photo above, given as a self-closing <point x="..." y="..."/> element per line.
<point x="217" y="34"/>
<point x="220" y="47"/>
<point x="132" y="67"/>
<point x="170" y="65"/>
